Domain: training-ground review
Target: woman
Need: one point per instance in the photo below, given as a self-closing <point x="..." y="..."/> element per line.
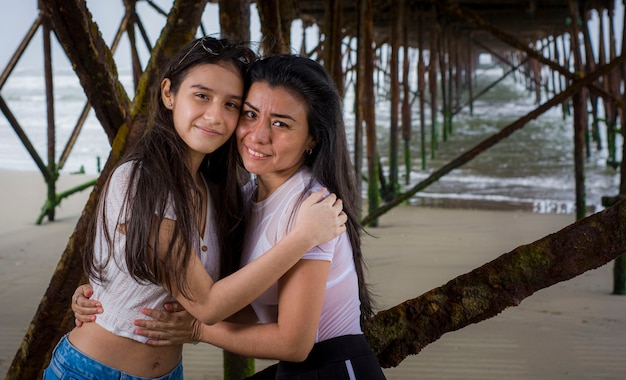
<point x="157" y="233"/>
<point x="291" y="136"/>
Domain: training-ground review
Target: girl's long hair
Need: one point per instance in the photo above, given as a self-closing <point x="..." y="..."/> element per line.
<point x="330" y="159"/>
<point x="161" y="179"/>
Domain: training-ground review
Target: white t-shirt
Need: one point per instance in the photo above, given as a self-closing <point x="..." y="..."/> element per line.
<point x="269" y="221"/>
<point x="121" y="296"/>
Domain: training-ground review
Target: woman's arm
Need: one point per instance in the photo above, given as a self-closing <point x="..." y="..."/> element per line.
<point x="85" y="309"/>
<point x="318" y="221"/>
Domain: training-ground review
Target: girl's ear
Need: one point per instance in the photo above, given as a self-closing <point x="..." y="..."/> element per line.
<point x="166" y="95"/>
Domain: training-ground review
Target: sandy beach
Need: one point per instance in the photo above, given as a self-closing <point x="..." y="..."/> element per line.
<point x="573" y="330"/>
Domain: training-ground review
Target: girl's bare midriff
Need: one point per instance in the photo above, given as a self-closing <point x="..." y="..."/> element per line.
<point x="124" y="354"/>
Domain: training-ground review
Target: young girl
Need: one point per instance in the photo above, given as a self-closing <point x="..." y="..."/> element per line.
<point x="167" y="212"/>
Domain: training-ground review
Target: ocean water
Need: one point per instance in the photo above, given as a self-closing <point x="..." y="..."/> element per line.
<point x="24" y="92"/>
<point x="531" y="169"/>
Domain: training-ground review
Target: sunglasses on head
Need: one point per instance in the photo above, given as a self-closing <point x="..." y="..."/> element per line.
<point x="212" y="46"/>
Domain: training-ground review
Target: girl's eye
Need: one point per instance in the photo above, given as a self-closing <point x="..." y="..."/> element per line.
<point x="232" y="105"/>
<point x="202" y="96"/>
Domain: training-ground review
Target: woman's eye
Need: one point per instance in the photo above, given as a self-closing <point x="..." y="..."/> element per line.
<point x="278" y="123"/>
<point x="202" y="96"/>
<point x="249" y="114"/>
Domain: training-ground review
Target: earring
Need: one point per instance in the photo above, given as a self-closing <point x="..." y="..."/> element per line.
<point x="169" y="104"/>
<point x="309" y="151"/>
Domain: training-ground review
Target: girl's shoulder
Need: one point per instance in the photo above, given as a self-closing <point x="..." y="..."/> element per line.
<point x="121" y="176"/>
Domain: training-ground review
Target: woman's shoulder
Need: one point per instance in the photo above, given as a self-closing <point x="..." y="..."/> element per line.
<point x="306" y="180"/>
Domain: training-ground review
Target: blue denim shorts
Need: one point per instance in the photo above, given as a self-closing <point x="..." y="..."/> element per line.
<point x="69" y="363"/>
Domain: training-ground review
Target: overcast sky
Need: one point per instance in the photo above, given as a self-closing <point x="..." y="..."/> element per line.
<point x="18" y="17"/>
<point x="108" y="14"/>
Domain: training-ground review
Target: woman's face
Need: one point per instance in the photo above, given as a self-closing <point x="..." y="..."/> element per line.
<point x="206" y="107"/>
<point x="273" y="134"/>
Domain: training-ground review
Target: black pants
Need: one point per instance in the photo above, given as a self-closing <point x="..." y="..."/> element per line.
<point x="346" y="357"/>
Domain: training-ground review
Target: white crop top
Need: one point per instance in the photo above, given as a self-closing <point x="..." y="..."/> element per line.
<point x="269" y="222"/>
<point x="121" y="296"/>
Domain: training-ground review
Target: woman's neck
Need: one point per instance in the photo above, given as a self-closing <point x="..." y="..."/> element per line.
<point x="270" y="182"/>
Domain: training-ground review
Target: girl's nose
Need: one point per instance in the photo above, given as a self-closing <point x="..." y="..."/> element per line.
<point x="213" y="113"/>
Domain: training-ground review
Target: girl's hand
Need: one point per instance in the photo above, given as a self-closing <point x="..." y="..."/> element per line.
<point x="171" y="326"/>
<point x="84" y="309"/>
<point x="321" y="219"/>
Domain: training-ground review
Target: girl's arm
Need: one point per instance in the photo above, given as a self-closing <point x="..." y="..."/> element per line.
<point x="318" y="221"/>
<point x="301" y="295"/>
<point x="300" y="299"/>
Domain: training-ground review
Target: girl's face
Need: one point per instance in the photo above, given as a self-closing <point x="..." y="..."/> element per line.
<point x="206" y="107"/>
<point x="273" y="134"/>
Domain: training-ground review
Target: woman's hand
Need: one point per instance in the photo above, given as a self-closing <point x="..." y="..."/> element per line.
<point x="84" y="309"/>
<point x="171" y="326"/>
<point x="321" y="219"/>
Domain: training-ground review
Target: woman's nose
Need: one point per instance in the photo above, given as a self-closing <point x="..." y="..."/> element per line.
<point x="260" y="131"/>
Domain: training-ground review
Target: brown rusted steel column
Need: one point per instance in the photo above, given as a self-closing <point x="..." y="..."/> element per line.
<point x="131" y="15"/>
<point x="365" y="95"/>
<point x="604" y="82"/>
<point x="566" y="105"/>
<point x="443" y="68"/>
<point x="580" y="118"/>
<point x="536" y="69"/>
<point x="514" y="61"/>
<point x="469" y="69"/>
<point x="358" y="109"/>
<point x="270" y="27"/>
<point x="619" y="266"/>
<point x="421" y="86"/>
<point x="553" y="56"/>
<point x="235" y="19"/>
<point x="406" y="91"/>
<point x="390" y="192"/>
<point x="613" y="80"/>
<point x="433" y="61"/>
<point x="52" y="173"/>
<point x="457" y="70"/>
<point x="590" y="65"/>
<point x="450" y="50"/>
<point x="332" y="42"/>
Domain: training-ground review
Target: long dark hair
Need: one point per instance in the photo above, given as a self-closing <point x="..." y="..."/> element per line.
<point x="330" y="159"/>
<point x="161" y="179"/>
